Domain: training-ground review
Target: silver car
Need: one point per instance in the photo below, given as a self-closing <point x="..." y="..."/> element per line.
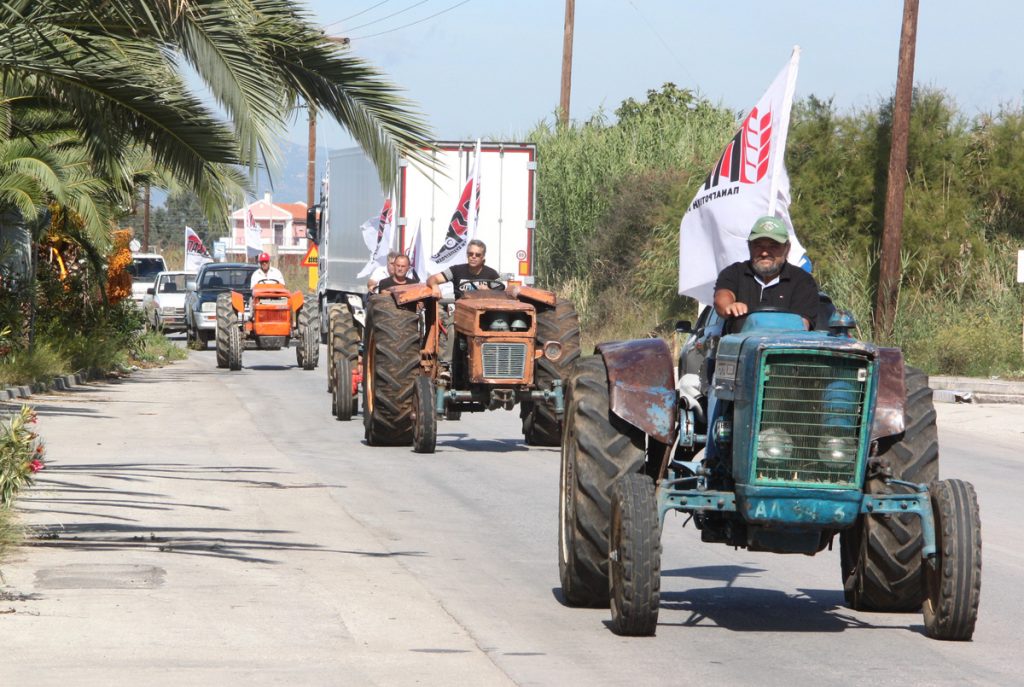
<point x="164" y="302"/>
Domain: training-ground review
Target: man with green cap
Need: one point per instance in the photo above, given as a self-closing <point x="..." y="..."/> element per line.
<point x="767" y="280"/>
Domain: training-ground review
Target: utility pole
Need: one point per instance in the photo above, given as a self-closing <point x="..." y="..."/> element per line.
<point x="145" y="219"/>
<point x="563" y="107"/>
<point x="311" y="171"/>
<point x="889" y="276"/>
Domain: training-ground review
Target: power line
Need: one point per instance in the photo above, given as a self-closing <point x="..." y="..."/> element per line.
<point x="353" y="16"/>
<point x="388" y="16"/>
<point x="662" y="41"/>
<point x="419" y="21"/>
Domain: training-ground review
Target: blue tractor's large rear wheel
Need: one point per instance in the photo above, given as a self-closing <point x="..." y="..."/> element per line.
<point x="881" y="554"/>
<point x="598" y="449"/>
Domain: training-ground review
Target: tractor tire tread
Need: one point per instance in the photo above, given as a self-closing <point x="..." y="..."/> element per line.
<point x="635" y="561"/>
<point x="393" y="334"/>
<point x="882" y="565"/>
<point x="541" y="424"/>
<point x="953" y="587"/>
<point x="598" y="449"/>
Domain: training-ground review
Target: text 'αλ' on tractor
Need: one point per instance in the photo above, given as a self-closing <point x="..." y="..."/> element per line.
<point x="490" y="349"/>
<point x="273" y="319"/>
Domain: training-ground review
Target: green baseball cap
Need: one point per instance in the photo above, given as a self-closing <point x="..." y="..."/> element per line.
<point x="769" y="228"/>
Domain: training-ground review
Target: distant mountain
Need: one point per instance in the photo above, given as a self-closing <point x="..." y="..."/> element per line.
<point x="289" y="184"/>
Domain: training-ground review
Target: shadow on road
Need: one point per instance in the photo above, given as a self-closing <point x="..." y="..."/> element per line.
<point x="461" y="441"/>
<point x="749" y="609"/>
<point x="121" y="506"/>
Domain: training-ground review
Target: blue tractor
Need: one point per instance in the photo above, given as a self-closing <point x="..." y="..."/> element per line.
<point x="773" y="438"/>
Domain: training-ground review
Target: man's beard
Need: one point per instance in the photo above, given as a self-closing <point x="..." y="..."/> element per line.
<point x="766" y="271"/>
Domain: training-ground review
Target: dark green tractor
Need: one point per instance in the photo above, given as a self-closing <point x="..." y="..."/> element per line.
<point x="773" y="439"/>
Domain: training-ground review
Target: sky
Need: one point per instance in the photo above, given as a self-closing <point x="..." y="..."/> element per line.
<point x="492" y="68"/>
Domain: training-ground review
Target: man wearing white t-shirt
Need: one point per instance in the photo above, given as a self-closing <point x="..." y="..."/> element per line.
<point x="381" y="273"/>
<point x="266" y="274"/>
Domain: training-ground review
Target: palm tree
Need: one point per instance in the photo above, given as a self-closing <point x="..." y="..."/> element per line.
<point x="117" y="69"/>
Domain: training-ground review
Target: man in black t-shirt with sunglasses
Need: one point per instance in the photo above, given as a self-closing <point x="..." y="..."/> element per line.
<point x="466" y="277"/>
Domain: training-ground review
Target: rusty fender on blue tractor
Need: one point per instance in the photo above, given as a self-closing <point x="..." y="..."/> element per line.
<point x="641" y="385"/>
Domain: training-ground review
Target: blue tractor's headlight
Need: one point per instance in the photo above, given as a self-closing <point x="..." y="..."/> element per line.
<point x="837" y="453"/>
<point x="774" y="447"/>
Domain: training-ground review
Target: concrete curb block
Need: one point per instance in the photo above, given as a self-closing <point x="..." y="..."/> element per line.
<point x="61" y="383"/>
<point x="985" y="397"/>
<point x="969" y="390"/>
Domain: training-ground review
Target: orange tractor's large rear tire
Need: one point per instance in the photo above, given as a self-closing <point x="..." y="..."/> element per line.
<point x="307" y="347"/>
<point x="542" y="426"/>
<point x="391" y="361"/>
<point x="225" y="314"/>
<point x="342" y="341"/>
<point x="343" y="402"/>
<point x="235" y="345"/>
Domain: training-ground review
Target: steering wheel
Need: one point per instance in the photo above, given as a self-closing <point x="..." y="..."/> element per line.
<point x="268" y="281"/>
<point x="482" y="284"/>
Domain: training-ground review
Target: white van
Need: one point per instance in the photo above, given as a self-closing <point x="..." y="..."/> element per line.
<point x="144" y="268"/>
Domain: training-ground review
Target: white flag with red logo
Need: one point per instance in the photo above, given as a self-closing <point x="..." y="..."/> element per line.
<point x="384" y="231"/>
<point x="749" y="181"/>
<point x="462" y="227"/>
<point x="253" y="239"/>
<point x="417" y="256"/>
<point x="195" y="252"/>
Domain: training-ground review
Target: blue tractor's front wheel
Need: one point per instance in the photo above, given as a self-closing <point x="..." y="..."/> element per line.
<point x="634" y="557"/>
<point x="952" y="580"/>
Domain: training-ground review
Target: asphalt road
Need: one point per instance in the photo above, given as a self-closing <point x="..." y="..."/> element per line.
<point x="199" y="526"/>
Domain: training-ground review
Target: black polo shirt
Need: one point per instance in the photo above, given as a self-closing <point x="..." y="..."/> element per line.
<point x="796" y="290"/>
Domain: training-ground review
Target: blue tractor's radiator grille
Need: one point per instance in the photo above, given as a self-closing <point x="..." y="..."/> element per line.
<point x="504" y="360"/>
<point x="812" y="412"/>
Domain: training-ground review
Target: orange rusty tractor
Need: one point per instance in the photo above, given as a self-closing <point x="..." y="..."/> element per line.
<point x="275" y="319"/>
<point x="497" y="350"/>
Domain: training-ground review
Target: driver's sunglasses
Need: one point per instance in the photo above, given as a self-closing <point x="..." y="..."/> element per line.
<point x="475" y="255"/>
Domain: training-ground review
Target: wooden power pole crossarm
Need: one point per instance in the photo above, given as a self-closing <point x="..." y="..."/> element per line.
<point x="563" y="106"/>
<point x="892" y="232"/>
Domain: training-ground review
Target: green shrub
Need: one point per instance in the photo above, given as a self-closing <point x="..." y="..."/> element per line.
<point x="155" y="349"/>
<point x="41" y="363"/>
<point x="98" y="338"/>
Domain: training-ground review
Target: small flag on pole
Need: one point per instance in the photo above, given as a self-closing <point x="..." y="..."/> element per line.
<point x="253" y="239"/>
<point x="462" y="228"/>
<point x="384" y="232"/>
<point x="417" y="256"/>
<point x="195" y="252"/>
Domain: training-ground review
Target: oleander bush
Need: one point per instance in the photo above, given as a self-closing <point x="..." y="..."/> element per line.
<point x="22" y="454"/>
